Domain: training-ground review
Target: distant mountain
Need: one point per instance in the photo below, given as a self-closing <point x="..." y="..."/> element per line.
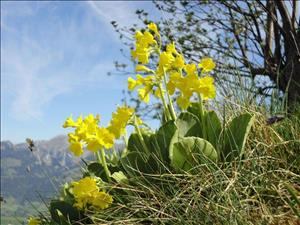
<point x="26" y="175"/>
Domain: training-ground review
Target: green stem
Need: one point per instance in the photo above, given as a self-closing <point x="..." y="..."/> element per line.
<point x="126" y="142"/>
<point x="173" y="114"/>
<point x="167" y="113"/>
<point x="203" y="124"/>
<point x="101" y="156"/>
<point x="139" y="133"/>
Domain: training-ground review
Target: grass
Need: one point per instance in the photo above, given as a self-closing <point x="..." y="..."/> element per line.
<point x="262" y="188"/>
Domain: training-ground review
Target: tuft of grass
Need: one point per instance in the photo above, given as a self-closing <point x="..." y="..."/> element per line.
<point x="261" y="188"/>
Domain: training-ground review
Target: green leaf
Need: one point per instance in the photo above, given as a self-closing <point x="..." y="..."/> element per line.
<point x="163" y="139"/>
<point x="235" y="136"/>
<point x="189" y="152"/>
<point x="188" y="125"/>
<point x="119" y="177"/>
<point x="210" y="121"/>
<point x="134" y="163"/>
<point x="62" y="212"/>
<point x="194" y="108"/>
<point x="134" y="143"/>
<point x="96" y="169"/>
<point x="214" y="128"/>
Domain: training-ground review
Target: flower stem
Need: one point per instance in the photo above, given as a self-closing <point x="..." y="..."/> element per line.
<point x="139" y="133"/>
<point x="167" y="113"/>
<point x="101" y="156"/>
<point x="173" y="114"/>
<point x="203" y="124"/>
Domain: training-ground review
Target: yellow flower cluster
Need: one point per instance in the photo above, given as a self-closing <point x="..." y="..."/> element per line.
<point x="144" y="42"/>
<point x="88" y="132"/>
<point x="171" y="71"/>
<point x="191" y="83"/>
<point x="87" y="193"/>
<point x="119" y="121"/>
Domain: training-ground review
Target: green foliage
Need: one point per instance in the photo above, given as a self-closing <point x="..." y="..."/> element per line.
<point x="236" y="134"/>
<point x="63" y="213"/>
<point x="189" y="152"/>
<point x="188" y="125"/>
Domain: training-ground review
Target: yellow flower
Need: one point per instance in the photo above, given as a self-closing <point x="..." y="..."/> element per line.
<point x="183" y="102"/>
<point x="171" y="48"/>
<point x="166" y="59"/>
<point x="69" y="122"/>
<point x="131" y="83"/>
<point x="206" y="87"/>
<point x="207" y="65"/>
<point x="91" y="123"/>
<point x="33" y="221"/>
<point x="174" y="79"/>
<point x="141" y="54"/>
<point x="138" y="36"/>
<point x="76" y="148"/>
<point x="142" y="68"/>
<point x="190" y="69"/>
<point x="102" y="138"/>
<point x="153" y="27"/>
<point x="148" y="39"/>
<point x="178" y="62"/>
<point x="102" y="200"/>
<point x="84" y="191"/>
<point x="120" y="120"/>
<point x="144" y="94"/>
<point x="86" y="187"/>
<point x="87" y="193"/>
<point x="142" y="46"/>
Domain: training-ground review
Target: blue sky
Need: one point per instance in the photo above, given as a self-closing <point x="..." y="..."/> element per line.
<point x="54" y="62"/>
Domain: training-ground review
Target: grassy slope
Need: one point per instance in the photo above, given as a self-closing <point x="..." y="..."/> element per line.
<point x="255" y="190"/>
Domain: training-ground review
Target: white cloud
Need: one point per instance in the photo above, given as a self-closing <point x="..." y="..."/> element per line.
<point x="41" y="63"/>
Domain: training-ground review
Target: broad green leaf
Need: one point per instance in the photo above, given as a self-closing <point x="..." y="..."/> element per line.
<point x="119" y="177"/>
<point x="235" y="135"/>
<point x="188" y="125"/>
<point x="213" y="128"/>
<point x="194" y="108"/>
<point x="189" y="152"/>
<point x="96" y="169"/>
<point x="161" y="142"/>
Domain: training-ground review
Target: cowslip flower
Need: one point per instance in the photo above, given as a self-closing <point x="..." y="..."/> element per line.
<point x="142" y="68"/>
<point x="207" y="65"/>
<point x="71" y="123"/>
<point x="102" y="138"/>
<point x="147" y="83"/>
<point x="101" y="200"/>
<point x="87" y="193"/>
<point x="88" y="133"/>
<point x="206" y="88"/>
<point x="119" y="120"/>
<point x="144" y="41"/>
<point x="76" y="146"/>
<point x="189" y="84"/>
<point x="153" y="27"/>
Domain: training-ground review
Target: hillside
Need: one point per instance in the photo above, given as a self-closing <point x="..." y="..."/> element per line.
<point x="26" y="175"/>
